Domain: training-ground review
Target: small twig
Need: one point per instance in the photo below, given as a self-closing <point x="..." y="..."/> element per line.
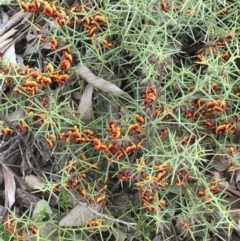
<point x="105" y="216"/>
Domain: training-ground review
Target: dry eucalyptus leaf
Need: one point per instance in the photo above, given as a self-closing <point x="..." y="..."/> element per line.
<point x="47" y="231"/>
<point x="5" y="44"/>
<point x="221" y="163"/>
<point x="3" y="17"/>
<point x="41" y="206"/>
<point x="85" y="107"/>
<point x="238" y="177"/>
<point x="6" y="36"/>
<point x="157" y="238"/>
<point x="34" y="182"/>
<point x="99" y="82"/>
<point x="77" y="95"/>
<point x="80" y="214"/>
<point x="16" y="115"/>
<point x="217" y="177"/>
<point x="119" y="234"/>
<point x="10" y="55"/>
<point x="14" y="21"/>
<point x="10" y="186"/>
<point x="2" y="212"/>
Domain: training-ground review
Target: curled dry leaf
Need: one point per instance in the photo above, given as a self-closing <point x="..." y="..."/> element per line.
<point x="80" y="214"/>
<point x="10" y="186"/>
<point x="85" y="107"/>
<point x="34" y="182"/>
<point x="99" y="82"/>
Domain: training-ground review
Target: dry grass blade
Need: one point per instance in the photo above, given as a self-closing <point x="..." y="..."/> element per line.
<point x="99" y="82"/>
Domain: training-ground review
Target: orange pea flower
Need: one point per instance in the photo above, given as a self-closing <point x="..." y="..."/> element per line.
<point x="65" y="65"/>
<point x="140" y="119"/>
<point x="131" y="149"/>
<point x="184" y="225"/>
<point x="49" y="139"/>
<point x="53" y="44"/>
<point x="33" y="229"/>
<point x="99" y="18"/>
<point x="107" y="44"/>
<point x="200" y="58"/>
<point x="162" y="166"/>
<point x="163" y="5"/>
<point x="214" y="188"/>
<point x="27" y="70"/>
<point x="160" y="176"/>
<point x="49" y="68"/>
<point x="81" y="192"/>
<point x="22" y="126"/>
<point x="68" y="56"/>
<point x="135" y="128"/>
<point x="6" y="130"/>
<point x="231" y="168"/>
<point x="148" y="207"/>
<point x="92" y="31"/>
<point x="31" y="83"/>
<point x="47" y="10"/>
<point x="99" y="146"/>
<point x="226" y="56"/>
<point x="202" y="193"/>
<point x="101" y="199"/>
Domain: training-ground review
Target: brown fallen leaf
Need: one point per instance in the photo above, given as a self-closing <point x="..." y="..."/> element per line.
<point x="99" y="82"/>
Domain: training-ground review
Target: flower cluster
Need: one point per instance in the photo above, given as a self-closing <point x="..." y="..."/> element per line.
<point x="77" y="179"/>
<point x="33" y="81"/>
<point x="76" y="136"/>
<point x="205" y="193"/>
<point x="10" y="225"/>
<point x="96" y="222"/>
<point x="91" y="21"/>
